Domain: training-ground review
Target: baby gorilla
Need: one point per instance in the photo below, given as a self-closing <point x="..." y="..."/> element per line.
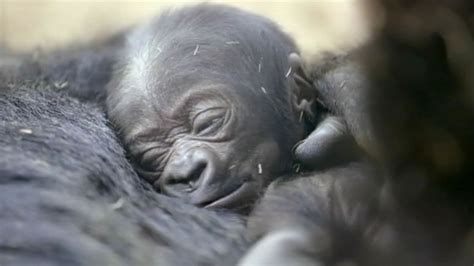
<point x="208" y="104"/>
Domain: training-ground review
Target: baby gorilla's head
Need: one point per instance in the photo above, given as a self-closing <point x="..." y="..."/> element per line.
<point x="208" y="107"/>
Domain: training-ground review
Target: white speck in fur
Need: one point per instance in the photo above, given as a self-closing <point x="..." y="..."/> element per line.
<point x="196" y="50"/>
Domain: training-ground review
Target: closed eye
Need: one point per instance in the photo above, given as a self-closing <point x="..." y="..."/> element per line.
<point x="149" y="175"/>
<point x="152" y="159"/>
<point x="208" y="122"/>
<point x="209" y="127"/>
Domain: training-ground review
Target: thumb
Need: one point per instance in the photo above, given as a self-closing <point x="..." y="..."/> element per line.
<point x="328" y="145"/>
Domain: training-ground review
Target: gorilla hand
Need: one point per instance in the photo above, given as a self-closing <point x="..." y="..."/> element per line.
<point x="339" y="137"/>
<point x="328" y="145"/>
<point x="283" y="247"/>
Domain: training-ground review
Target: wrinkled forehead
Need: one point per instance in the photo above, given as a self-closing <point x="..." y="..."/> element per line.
<point x="165" y="106"/>
<point x="186" y="90"/>
<point x="164" y="88"/>
<point x="157" y="96"/>
<point x="158" y="103"/>
<point x="171" y="101"/>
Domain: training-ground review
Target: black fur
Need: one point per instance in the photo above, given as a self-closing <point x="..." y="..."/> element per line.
<point x="69" y="196"/>
<point x="82" y="71"/>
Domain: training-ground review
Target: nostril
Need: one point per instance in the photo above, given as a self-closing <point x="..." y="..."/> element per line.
<point x="196" y="173"/>
<point x="190" y="176"/>
<point x="183" y="179"/>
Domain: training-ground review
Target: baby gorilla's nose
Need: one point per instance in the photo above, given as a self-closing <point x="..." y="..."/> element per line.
<point x="185" y="172"/>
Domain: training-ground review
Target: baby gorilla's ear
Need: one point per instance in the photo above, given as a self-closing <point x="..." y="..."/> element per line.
<point x="303" y="93"/>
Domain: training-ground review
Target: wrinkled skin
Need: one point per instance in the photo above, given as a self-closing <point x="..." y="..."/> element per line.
<point x="210" y="116"/>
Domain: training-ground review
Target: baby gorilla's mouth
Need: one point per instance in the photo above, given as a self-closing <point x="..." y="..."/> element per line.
<point x="236" y="198"/>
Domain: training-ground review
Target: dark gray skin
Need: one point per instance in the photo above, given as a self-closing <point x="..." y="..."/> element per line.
<point x="412" y="202"/>
<point x="341" y="87"/>
<point x="208" y="106"/>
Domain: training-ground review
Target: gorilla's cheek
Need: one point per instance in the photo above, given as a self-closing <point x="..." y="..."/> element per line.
<point x="262" y="163"/>
<point x="251" y="172"/>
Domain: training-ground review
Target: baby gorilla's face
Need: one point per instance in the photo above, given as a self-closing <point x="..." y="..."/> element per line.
<point x="207" y="145"/>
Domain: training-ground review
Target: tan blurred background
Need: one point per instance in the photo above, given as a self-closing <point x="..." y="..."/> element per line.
<point x="316" y="25"/>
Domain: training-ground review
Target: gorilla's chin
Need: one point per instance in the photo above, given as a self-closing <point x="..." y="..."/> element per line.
<point x="236" y="199"/>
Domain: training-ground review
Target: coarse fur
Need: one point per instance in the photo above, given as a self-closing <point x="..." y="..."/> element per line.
<point x="69" y="196"/>
<point x="82" y="71"/>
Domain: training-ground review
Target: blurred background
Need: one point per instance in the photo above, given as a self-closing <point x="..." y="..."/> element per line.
<point x="316" y="25"/>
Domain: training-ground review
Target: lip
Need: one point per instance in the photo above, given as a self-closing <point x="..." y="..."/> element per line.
<point x="241" y="195"/>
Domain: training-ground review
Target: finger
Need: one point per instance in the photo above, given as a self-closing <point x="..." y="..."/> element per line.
<point x="328" y="145"/>
<point x="285" y="247"/>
